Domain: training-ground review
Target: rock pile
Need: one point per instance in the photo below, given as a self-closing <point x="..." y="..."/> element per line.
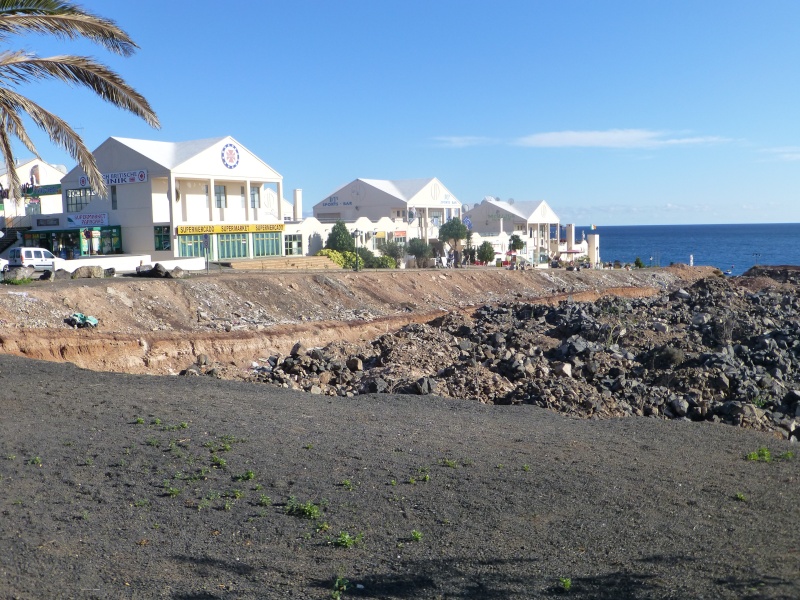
<point x="715" y="351"/>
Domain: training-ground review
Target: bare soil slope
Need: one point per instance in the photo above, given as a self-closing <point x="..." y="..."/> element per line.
<point x="161" y="326"/>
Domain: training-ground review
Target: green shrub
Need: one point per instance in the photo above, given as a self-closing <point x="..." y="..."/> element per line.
<point x="333" y="255"/>
<point x="340" y="238"/>
<point x="486" y="252"/>
<point x="762" y="454"/>
<point x="306" y="510"/>
<point x="384" y="262"/>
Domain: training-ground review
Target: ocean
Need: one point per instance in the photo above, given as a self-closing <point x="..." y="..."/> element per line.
<point x="734" y="247"/>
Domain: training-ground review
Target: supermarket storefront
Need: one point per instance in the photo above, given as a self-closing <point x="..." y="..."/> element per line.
<point x="223" y="242"/>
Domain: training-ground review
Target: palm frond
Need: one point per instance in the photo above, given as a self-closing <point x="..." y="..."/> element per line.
<point x="62" y="19"/>
<point x="18" y="67"/>
<point x="16" y="127"/>
<point x="59" y="131"/>
<point x="8" y="155"/>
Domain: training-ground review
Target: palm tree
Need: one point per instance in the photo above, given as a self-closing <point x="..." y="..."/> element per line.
<point x="63" y="20"/>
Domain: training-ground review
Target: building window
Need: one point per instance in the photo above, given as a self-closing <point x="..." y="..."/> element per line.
<point x="255" y="197"/>
<point x="113" y="197"/>
<point x="267" y="244"/>
<point x="162" y="237"/>
<point x="293" y="244"/>
<point x="399" y="239"/>
<point x="191" y="245"/>
<point x="33" y="208"/>
<point x="220" y="197"/>
<point x="232" y="245"/>
<point x="78" y="199"/>
<point x="244" y="198"/>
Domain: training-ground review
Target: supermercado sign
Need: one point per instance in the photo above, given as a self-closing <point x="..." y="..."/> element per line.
<point x="87" y="220"/>
<point x="120" y="178"/>
<point x="245" y="228"/>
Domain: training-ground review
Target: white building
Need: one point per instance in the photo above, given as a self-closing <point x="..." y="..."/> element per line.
<point x="168" y="199"/>
<point x="534" y="222"/>
<point x="41" y="191"/>
<point x="415" y="207"/>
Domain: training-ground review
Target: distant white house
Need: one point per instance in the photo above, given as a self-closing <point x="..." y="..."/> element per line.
<point x="41" y="191"/>
<point x="415" y="207"/>
<point x="535" y="222"/>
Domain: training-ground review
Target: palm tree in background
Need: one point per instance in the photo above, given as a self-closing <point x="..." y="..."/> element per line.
<point x="69" y="21"/>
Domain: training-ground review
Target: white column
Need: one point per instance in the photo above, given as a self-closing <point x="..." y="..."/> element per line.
<point x="247" y="209"/>
<point x="211" y="199"/>
<point x="171" y="198"/>
<point x="280" y="201"/>
<point x="298" y="205"/>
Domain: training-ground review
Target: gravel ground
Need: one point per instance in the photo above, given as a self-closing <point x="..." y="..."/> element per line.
<point x="131" y="486"/>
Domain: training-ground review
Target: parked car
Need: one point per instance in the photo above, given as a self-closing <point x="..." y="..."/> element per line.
<point x="3" y="264"/>
<point x="37" y="258"/>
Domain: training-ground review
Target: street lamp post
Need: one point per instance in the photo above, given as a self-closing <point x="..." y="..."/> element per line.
<point x="356" y="235"/>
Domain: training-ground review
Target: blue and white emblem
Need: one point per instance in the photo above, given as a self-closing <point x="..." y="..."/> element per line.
<point x="230" y="156"/>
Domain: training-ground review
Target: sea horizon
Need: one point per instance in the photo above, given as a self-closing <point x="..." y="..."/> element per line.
<point x="728" y="247"/>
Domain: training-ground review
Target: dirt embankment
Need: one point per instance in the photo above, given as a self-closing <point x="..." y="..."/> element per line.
<point x="161" y="326"/>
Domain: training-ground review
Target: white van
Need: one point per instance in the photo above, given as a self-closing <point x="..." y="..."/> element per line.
<point x="37" y="258"/>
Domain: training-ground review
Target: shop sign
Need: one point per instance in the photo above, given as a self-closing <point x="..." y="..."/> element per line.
<point x="88" y="220"/>
<point x="119" y="178"/>
<point x="234" y="228"/>
<point x="41" y="190"/>
<point x="47" y="222"/>
<point x="399" y="234"/>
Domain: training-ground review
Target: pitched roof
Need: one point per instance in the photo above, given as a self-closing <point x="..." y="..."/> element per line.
<point x="402" y="189"/>
<point x="524" y="210"/>
<point x="169" y="154"/>
<point x="27" y="161"/>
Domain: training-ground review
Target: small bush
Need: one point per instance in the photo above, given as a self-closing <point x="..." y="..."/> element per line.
<point x="333" y="255"/>
<point x="21" y="281"/>
<point x="306" y="510"/>
<point x="246" y="476"/>
<point x="383" y="262"/>
<point x="345" y="540"/>
<point x="761" y="455"/>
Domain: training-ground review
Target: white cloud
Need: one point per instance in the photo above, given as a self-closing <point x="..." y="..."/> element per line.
<point x="784" y="153"/>
<point x="462" y="141"/>
<point x="612" y="138"/>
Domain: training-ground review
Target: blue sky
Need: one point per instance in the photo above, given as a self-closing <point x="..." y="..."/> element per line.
<point x="615" y="112"/>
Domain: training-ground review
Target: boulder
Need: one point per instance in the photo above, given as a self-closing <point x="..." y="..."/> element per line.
<point x="562" y="369"/>
<point x="88" y="272"/>
<point x="18" y="273"/>
<point x="355" y="364"/>
<point x="679" y="406"/>
<point x="425" y="386"/>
